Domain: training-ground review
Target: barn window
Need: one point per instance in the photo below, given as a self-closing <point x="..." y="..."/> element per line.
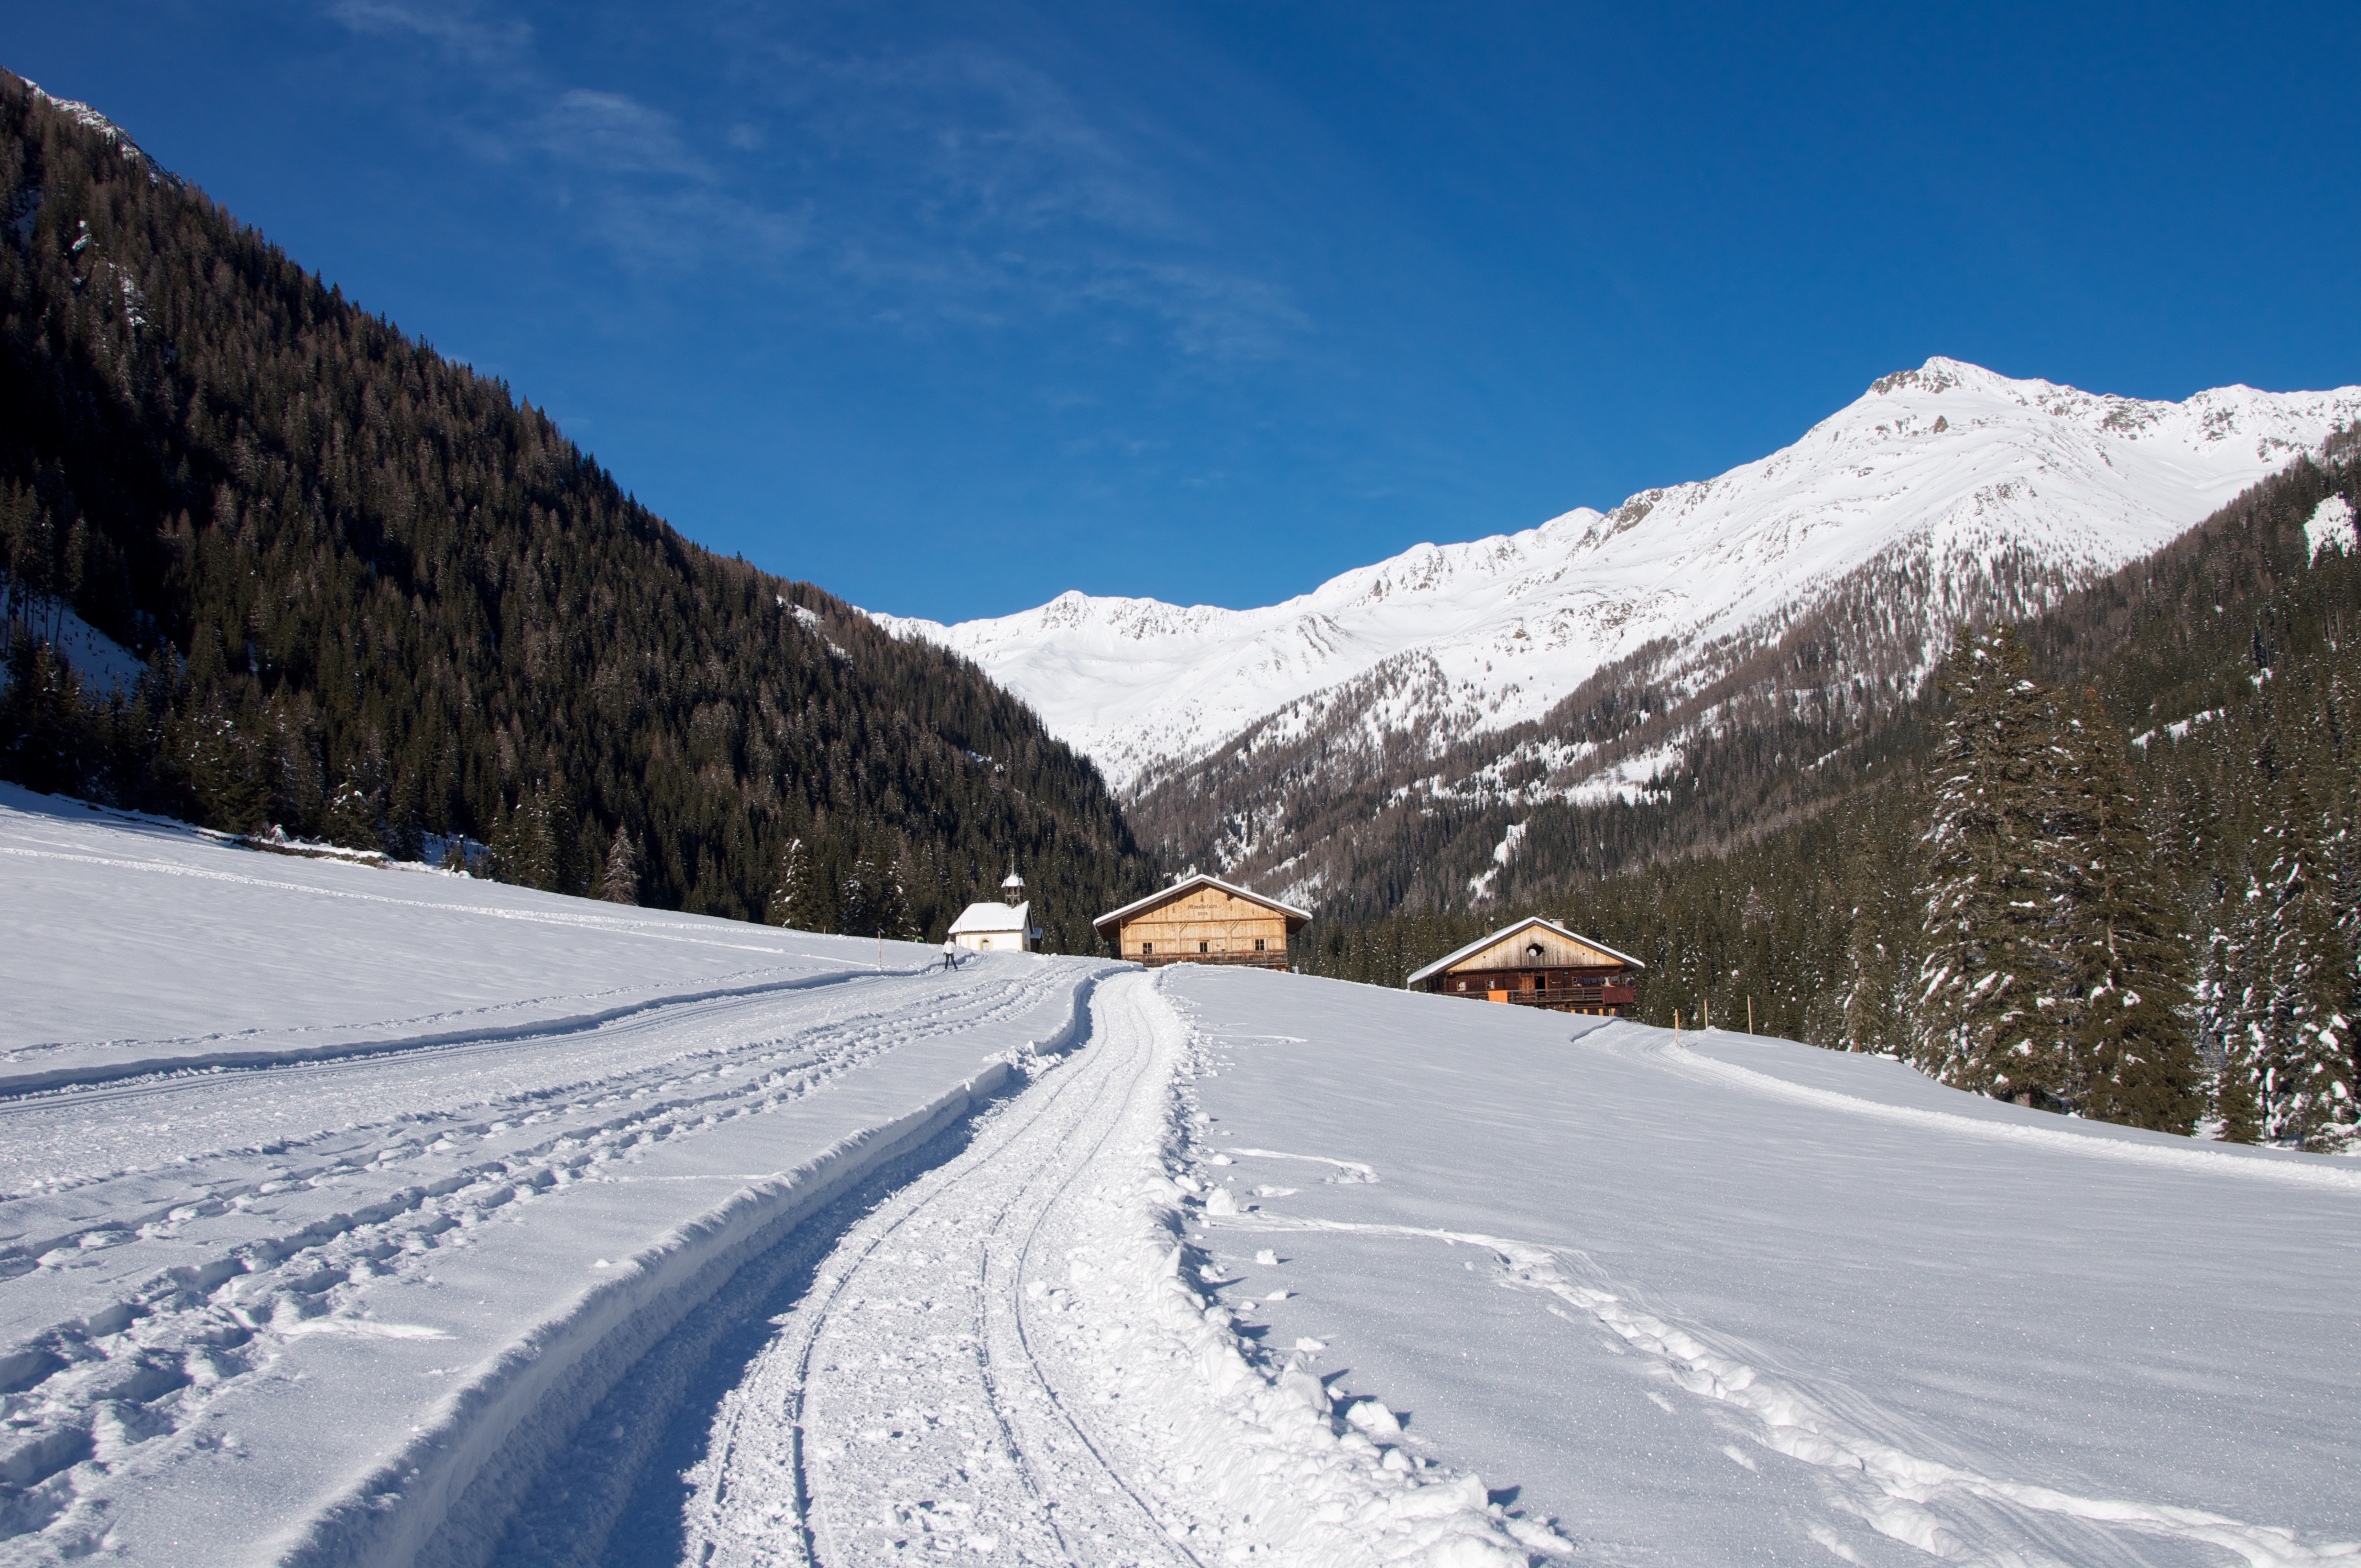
<point x="1202" y="948"/>
<point x="1257" y="944"/>
<point x="1145" y="949"/>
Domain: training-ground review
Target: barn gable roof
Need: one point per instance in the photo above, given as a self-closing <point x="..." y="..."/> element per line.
<point x="1187" y="886"/>
<point x="1504" y="932"/>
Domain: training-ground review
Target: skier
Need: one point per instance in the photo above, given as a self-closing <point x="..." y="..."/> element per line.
<point x="951" y="954"/>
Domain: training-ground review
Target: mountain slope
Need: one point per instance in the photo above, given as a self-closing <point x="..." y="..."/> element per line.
<point x="1794" y="897"/>
<point x="1467" y="675"/>
<point x="381" y="598"/>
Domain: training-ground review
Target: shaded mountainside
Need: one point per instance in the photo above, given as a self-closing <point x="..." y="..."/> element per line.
<point x="1788" y="870"/>
<point x="379" y="598"/>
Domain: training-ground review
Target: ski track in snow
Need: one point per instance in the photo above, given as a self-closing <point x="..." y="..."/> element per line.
<point x="1007" y="1359"/>
<point x="282" y="1192"/>
<point x="1921" y="1502"/>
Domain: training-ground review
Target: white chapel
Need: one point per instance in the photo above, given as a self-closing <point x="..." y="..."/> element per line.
<point x="1003" y="927"/>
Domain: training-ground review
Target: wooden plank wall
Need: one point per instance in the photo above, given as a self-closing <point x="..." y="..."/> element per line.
<point x="1226" y="924"/>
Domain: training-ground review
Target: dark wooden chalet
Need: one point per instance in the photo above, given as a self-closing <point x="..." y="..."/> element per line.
<point x="1537" y="963"/>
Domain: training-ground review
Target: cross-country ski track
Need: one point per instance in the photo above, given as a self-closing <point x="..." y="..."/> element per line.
<point x="350" y="1216"/>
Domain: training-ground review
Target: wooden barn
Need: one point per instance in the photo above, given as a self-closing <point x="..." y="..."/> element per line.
<point x="1203" y="920"/>
<point x="1536" y="963"/>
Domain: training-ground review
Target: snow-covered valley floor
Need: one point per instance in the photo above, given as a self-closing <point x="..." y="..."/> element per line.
<point x="361" y="1216"/>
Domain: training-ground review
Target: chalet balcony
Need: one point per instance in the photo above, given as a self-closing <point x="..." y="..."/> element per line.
<point x="1236" y="961"/>
<point x="1577" y="998"/>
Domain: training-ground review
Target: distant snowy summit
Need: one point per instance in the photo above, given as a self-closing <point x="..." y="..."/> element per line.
<point x="1940" y="476"/>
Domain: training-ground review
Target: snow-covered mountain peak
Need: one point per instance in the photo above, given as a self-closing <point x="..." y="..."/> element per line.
<point x="1950" y="466"/>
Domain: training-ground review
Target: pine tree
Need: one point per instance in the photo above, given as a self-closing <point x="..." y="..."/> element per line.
<point x="620" y="883"/>
<point x="874" y="901"/>
<point x="2229" y="1026"/>
<point x="782" y="892"/>
<point x="2124" y="940"/>
<point x="352" y="819"/>
<point x="802" y="899"/>
<point x="2307" y="1076"/>
<point x="1989" y="890"/>
<point x="1873" y="999"/>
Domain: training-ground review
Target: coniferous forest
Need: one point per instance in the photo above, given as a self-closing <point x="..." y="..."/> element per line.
<point x="2105" y="865"/>
<point x="383" y="601"/>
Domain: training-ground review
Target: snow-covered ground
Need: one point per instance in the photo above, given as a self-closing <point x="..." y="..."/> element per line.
<point x="355" y="1215"/>
<point x="343" y="1193"/>
<point x="1943" y="470"/>
<point x="1723" y="1299"/>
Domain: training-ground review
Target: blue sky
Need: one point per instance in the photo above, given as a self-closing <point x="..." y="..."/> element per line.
<point x="950" y="307"/>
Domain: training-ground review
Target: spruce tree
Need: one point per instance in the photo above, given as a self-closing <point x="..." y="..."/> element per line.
<point x="1991" y="886"/>
<point x="2229" y="1019"/>
<point x="352" y="819"/>
<point x="2307" y="1076"/>
<point x="782" y="892"/>
<point x="2122" y="937"/>
<point x="802" y="899"/>
<point x="619" y="881"/>
<point x="874" y="903"/>
<point x="890" y="911"/>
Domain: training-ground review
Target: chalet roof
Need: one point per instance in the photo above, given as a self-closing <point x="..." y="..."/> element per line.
<point x="989" y="918"/>
<point x="1480" y="943"/>
<point x="1191" y="884"/>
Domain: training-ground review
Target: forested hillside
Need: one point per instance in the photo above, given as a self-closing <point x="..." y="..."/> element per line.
<point x="2107" y="866"/>
<point x="381" y="598"/>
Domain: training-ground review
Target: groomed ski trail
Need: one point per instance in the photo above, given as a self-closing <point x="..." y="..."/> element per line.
<point x="1007" y="1360"/>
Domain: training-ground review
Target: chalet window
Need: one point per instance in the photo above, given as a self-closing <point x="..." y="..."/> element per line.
<point x="1257" y="944"/>
<point x="1202" y="948"/>
<point x="1145" y="949"/>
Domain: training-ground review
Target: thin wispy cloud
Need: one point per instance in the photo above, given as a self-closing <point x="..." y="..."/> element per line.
<point x="616" y="134"/>
<point x="980" y="190"/>
<point x="460" y="30"/>
<point x="951" y="187"/>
